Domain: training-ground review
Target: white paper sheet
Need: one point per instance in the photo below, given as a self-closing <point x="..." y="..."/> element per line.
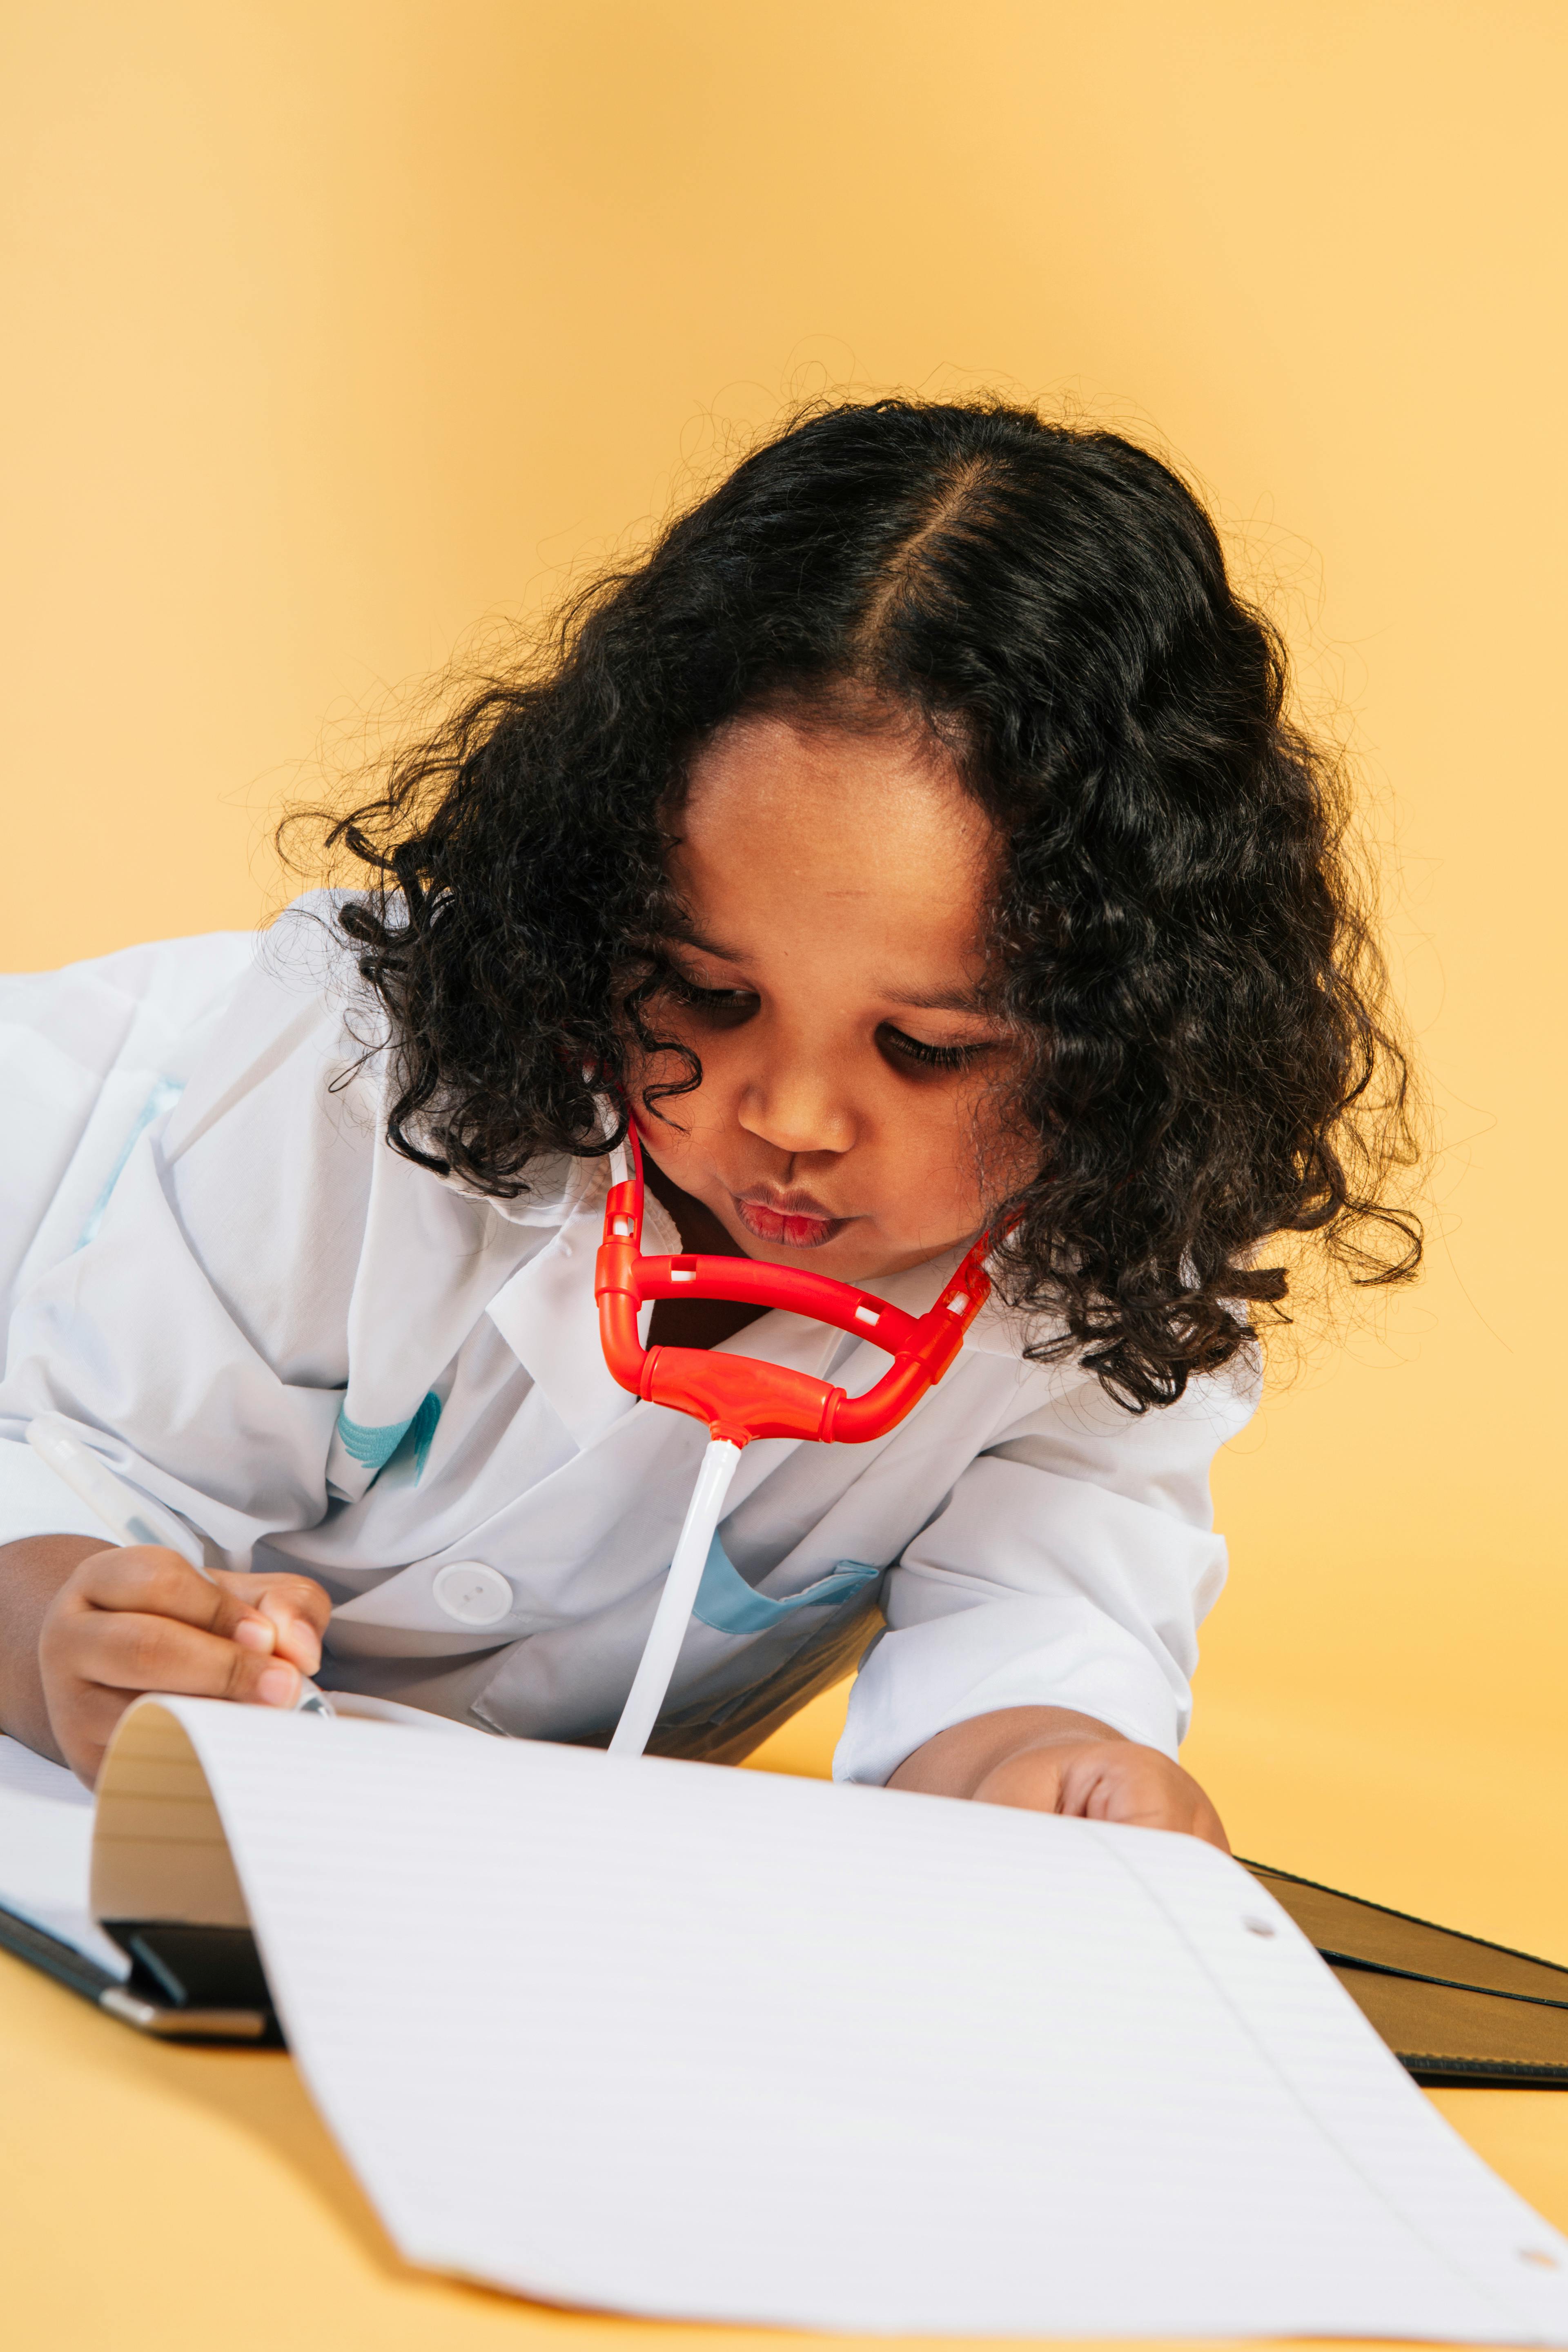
<point x="46" y="1836"/>
<point x="685" y="2042"/>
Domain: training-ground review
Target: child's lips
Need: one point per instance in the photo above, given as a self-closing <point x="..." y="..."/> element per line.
<point x="795" y="1228"/>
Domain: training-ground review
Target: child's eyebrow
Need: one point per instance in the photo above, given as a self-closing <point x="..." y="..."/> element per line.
<point x="947" y="1000"/>
<point x="683" y="936"/>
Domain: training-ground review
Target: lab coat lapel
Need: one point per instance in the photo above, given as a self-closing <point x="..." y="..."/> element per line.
<point x="548" y="1318"/>
<point x="428" y="1258"/>
<point x="1002" y="1330"/>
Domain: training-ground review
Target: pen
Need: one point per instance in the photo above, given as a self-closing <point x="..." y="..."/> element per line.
<point x="131" y="1517"/>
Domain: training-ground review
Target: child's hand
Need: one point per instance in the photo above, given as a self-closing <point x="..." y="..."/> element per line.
<point x="1051" y="1760"/>
<point x="1105" y="1780"/>
<point x="138" y="1618"/>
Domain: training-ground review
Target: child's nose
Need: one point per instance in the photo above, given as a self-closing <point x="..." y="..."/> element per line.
<point x="797" y="1109"/>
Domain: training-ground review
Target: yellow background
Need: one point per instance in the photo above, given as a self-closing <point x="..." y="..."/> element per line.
<point x="335" y="329"/>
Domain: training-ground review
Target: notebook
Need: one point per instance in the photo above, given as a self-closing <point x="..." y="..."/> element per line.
<point x="1454" y="2009"/>
<point x="661" y="2037"/>
<point x="164" y="1978"/>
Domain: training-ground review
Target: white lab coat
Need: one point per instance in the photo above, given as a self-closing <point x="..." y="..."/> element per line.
<point x="327" y="1359"/>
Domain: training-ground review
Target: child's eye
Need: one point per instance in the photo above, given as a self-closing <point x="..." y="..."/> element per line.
<point x="931" y="1058"/>
<point x="729" y="1006"/>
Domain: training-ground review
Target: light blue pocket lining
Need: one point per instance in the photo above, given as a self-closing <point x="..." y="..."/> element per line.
<point x="165" y="1094"/>
<point x="375" y="1447"/>
<point x="726" y="1603"/>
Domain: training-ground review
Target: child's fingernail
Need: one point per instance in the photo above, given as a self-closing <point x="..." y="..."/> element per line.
<point x="255" y="1633"/>
<point x="304" y="1643"/>
<point x="276" y="1687"/>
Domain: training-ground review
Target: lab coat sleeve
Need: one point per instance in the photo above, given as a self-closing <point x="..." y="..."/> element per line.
<point x="198" y="1342"/>
<point x="1070" y="1566"/>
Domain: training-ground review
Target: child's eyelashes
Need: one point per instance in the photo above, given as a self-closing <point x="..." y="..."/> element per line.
<point x="728" y="1008"/>
<point x="903" y="1047"/>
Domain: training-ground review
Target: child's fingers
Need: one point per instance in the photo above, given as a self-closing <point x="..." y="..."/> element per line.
<point x="120" y="1650"/>
<point x="294" y="1607"/>
<point x="152" y="1581"/>
<point x="263" y="1614"/>
<point x="1106" y="1781"/>
<point x="138" y="1617"/>
<point x="88" y="1712"/>
<point x="1141" y="1788"/>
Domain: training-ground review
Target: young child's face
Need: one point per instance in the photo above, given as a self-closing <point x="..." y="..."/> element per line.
<point x="832" y="984"/>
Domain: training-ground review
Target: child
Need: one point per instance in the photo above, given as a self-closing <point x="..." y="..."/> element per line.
<point x="913" y="844"/>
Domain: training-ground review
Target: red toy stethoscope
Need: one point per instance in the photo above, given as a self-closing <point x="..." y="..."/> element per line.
<point x="739" y="1398"/>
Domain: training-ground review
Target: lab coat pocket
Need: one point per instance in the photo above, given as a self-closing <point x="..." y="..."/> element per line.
<point x="770" y="1667"/>
<point x="727" y="1603"/>
<point x="741" y="1640"/>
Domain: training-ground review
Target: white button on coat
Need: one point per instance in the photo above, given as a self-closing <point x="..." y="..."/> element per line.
<point x="472" y="1593"/>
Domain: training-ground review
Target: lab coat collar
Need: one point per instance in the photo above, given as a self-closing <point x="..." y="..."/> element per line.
<point x="546" y="1312"/>
<point x="547" y="1317"/>
<point x="558" y="1186"/>
<point x="1000" y="1330"/>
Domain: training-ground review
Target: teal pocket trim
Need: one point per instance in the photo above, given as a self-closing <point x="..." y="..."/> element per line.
<point x="165" y="1092"/>
<point x="375" y="1447"/>
<point x="726" y="1603"/>
<point x="422" y="1429"/>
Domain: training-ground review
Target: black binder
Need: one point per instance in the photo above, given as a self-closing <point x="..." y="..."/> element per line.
<point x="186" y="1984"/>
<point x="1452" y="2007"/>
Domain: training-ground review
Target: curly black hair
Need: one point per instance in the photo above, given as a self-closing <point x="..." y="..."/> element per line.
<point x="1177" y="923"/>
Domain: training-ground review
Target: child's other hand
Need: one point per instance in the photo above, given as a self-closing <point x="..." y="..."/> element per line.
<point x="138" y="1618"/>
<point x="1105" y="1780"/>
<point x="1051" y="1760"/>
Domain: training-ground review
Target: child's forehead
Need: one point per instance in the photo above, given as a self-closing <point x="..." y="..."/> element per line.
<point x="860" y="815"/>
<point x="851" y="857"/>
<point x="767" y="757"/>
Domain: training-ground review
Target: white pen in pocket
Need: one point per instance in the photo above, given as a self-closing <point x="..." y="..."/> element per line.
<point x="131" y="1517"/>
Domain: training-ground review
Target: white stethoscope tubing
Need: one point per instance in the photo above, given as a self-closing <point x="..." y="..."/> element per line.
<point x="656" y="1669"/>
<point x="673" y="1614"/>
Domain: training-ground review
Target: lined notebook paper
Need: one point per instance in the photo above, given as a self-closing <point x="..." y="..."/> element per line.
<point x="666" y="2039"/>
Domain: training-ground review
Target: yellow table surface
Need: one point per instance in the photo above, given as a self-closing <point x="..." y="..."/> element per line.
<point x="160" y="2199"/>
<point x="191" y="2200"/>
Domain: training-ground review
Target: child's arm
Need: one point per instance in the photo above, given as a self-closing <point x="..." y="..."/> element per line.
<point x="84" y="1629"/>
<point x="1042" y="1627"/>
<point x="1050" y="1760"/>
